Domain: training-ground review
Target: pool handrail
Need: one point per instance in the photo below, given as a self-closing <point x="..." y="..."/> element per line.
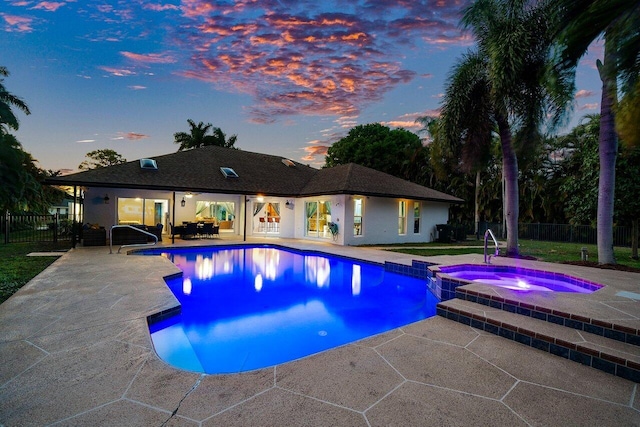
<point x="132" y="244"/>
<point x="487" y="260"/>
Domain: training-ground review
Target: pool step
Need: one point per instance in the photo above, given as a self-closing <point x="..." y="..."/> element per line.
<point x="608" y="355"/>
<point x="606" y="329"/>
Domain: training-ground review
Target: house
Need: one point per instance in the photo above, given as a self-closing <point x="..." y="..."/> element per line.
<point x="254" y="194"/>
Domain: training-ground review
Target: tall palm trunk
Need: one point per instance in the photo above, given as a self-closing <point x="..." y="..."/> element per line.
<point x="476" y="212"/>
<point x="608" y="150"/>
<point x="510" y="173"/>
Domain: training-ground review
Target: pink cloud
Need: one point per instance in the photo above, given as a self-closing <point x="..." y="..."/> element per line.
<point x="592" y="106"/>
<point x="583" y="93"/>
<point x="137" y="87"/>
<point x="304" y="58"/>
<point x="133" y="136"/>
<point x="20" y="24"/>
<point x="49" y="6"/>
<point x="154" y="58"/>
<point x="406" y="124"/>
<point x="315" y="151"/>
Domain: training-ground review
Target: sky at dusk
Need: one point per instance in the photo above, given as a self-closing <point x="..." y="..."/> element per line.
<point x="289" y="77"/>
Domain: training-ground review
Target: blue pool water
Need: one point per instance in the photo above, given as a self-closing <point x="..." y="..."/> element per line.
<point x="245" y="308"/>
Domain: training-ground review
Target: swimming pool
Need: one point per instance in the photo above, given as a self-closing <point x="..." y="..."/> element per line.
<point x="519" y="279"/>
<point x="249" y="307"/>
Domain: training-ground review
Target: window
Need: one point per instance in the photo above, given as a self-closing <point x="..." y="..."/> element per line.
<point x="402" y="217"/>
<point x="357" y="217"/>
<point x="416" y="217"/>
<point x="137" y="211"/>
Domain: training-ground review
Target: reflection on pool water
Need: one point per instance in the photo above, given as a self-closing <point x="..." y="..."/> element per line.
<point x="245" y="308"/>
<point x="520" y="279"/>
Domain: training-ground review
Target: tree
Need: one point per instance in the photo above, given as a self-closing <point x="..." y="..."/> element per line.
<point x="579" y="187"/>
<point x="578" y="24"/>
<point x="21" y="189"/>
<point x="101" y="158"/>
<point x="198" y="137"/>
<point x="7" y="100"/>
<point x="502" y="86"/>
<point x="375" y="146"/>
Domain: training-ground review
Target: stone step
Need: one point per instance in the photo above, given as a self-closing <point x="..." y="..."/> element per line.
<point x="608" y="355"/>
<point x="607" y="329"/>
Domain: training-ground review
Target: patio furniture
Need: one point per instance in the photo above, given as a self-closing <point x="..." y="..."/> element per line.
<point x="127" y="236"/>
<point x="226" y="225"/>
<point x="94" y="237"/>
<point x="207" y="229"/>
<point x="216" y="231"/>
<point x="191" y="230"/>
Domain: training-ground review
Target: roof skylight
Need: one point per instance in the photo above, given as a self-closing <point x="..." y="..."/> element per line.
<point x="228" y="172"/>
<point x="148" y="164"/>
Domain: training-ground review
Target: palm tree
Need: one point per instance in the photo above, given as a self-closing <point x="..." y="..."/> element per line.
<point x="195" y="138"/>
<point x="198" y="137"/>
<point x="500" y="87"/>
<point x="579" y="23"/>
<point x="7" y="100"/>
<point x="220" y="139"/>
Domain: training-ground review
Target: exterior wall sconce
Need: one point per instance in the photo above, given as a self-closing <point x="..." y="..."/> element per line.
<point x="183" y="202"/>
<point x="106" y="199"/>
<point x="289" y="203"/>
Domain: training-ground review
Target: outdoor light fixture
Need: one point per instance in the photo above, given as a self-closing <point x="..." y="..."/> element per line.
<point x="183" y="202"/>
<point x="288" y="203"/>
<point x="106" y="199"/>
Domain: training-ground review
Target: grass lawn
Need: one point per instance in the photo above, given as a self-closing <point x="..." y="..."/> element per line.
<point x="16" y="268"/>
<point x="542" y="251"/>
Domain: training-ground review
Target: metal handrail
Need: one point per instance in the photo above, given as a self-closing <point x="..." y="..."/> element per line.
<point x="486" y="236"/>
<point x="132" y="244"/>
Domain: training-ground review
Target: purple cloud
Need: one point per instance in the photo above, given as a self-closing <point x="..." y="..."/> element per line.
<point x="297" y="57"/>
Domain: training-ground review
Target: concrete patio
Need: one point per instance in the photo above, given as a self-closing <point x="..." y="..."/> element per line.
<point x="76" y="351"/>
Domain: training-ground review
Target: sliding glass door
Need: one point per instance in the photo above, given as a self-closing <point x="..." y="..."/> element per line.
<point x="318" y="217"/>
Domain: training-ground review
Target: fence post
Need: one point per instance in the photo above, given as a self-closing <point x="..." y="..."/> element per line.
<point x="6" y="226"/>
<point x="56" y="222"/>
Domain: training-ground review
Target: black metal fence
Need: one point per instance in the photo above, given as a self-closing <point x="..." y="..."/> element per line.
<point x="20" y="228"/>
<point x="560" y="233"/>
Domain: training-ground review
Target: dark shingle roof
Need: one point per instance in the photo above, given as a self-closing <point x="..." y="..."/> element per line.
<point x="356" y="179"/>
<point x="198" y="170"/>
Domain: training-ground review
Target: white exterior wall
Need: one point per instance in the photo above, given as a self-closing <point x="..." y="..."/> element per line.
<point x="380" y="221"/>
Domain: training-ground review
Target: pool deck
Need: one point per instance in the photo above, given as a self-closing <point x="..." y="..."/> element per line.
<point x="75" y="351"/>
